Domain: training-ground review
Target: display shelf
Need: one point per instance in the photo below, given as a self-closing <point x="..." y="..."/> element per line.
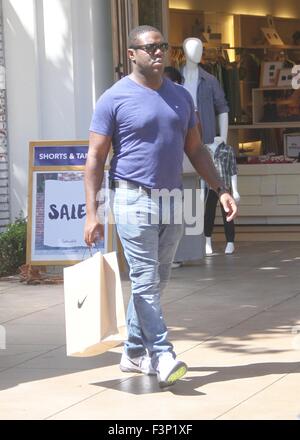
<point x="264" y="125"/>
<point x="178" y="44"/>
<point x="267" y="47"/>
<point x="247" y="30"/>
<point x="275" y="106"/>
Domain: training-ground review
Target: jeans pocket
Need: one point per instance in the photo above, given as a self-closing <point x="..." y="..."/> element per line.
<point x="127" y="196"/>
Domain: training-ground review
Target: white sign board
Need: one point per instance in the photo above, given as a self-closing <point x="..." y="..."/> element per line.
<point x="57" y="208"/>
<point x="64" y="214"/>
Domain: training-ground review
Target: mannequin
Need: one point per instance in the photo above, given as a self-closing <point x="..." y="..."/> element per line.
<point x="190" y="246"/>
<point x="210" y="104"/>
<point x="224" y="158"/>
<point x="205" y="89"/>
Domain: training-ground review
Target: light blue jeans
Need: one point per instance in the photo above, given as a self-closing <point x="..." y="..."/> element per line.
<point x="149" y="241"/>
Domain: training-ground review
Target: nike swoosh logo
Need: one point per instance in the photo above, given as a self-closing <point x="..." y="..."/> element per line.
<point x="80" y="303"/>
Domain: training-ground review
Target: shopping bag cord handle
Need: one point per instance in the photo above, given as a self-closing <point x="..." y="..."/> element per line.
<point x="90" y="248"/>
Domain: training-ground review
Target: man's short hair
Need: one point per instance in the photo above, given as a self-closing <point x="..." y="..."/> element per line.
<point x="134" y="36"/>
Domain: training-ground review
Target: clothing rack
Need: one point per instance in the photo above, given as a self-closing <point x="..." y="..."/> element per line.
<point x="177" y="57"/>
<point x="211" y="54"/>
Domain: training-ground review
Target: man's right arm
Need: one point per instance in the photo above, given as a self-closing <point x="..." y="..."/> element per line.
<point x="99" y="146"/>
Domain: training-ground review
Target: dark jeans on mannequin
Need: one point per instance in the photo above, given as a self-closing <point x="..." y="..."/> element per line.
<point x="209" y="217"/>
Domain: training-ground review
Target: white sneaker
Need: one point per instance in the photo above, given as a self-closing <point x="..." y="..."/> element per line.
<point x="169" y="370"/>
<point x="140" y="364"/>
<point x="208" y="246"/>
<point x="229" y="248"/>
<point x="208" y="250"/>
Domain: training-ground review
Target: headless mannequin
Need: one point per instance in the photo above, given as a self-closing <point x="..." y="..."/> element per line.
<point x="230" y="244"/>
<point x="193" y="50"/>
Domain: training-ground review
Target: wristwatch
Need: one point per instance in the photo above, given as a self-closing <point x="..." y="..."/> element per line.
<point x="221" y="190"/>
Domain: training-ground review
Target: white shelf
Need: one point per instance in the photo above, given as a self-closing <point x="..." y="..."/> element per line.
<point x="268" y="47"/>
<point x="273" y="88"/>
<point x="259" y="125"/>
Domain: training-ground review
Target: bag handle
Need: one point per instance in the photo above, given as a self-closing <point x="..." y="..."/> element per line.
<point x="90" y="248"/>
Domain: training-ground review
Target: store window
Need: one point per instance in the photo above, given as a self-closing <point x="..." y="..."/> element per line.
<point x="253" y="63"/>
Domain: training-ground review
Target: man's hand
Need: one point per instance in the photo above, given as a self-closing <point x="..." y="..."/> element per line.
<point x="93" y="231"/>
<point x="229" y="206"/>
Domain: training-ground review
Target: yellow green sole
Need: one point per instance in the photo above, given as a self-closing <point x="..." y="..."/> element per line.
<point x="177" y="375"/>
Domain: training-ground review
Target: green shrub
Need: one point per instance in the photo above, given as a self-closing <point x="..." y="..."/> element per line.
<point x="13" y="247"/>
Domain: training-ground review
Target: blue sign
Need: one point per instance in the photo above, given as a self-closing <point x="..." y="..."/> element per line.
<point x="60" y="156"/>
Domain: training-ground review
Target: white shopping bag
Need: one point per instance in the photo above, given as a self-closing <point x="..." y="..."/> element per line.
<point x="94" y="306"/>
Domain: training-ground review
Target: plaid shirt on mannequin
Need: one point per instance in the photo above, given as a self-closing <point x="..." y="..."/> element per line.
<point x="225" y="162"/>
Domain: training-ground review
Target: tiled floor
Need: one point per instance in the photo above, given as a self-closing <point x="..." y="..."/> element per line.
<point x="235" y="320"/>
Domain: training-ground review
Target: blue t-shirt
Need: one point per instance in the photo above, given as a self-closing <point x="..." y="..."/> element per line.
<point x="148" y="129"/>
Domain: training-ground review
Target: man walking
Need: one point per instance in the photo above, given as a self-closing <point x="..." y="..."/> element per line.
<point x="150" y="122"/>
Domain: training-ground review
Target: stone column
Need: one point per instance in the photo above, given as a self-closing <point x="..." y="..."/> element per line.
<point x="4" y="198"/>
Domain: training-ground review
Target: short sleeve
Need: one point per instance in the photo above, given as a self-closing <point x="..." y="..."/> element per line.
<point x="220" y="102"/>
<point x="103" y="119"/>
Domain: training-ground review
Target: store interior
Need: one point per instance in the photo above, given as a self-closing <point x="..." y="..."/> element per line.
<point x="254" y="51"/>
<point x="257" y="45"/>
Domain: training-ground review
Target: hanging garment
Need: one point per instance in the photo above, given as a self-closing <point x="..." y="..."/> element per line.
<point x="232" y="91"/>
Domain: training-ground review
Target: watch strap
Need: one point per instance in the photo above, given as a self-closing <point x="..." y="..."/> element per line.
<point x="221" y="190"/>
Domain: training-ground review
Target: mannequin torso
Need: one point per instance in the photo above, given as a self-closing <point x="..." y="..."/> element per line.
<point x="191" y="81"/>
<point x="217" y="141"/>
<point x="193" y="50"/>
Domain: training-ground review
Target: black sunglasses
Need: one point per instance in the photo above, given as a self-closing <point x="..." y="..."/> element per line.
<point x="152" y="47"/>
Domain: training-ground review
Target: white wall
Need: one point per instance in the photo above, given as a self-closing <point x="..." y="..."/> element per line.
<point x="58" y="61"/>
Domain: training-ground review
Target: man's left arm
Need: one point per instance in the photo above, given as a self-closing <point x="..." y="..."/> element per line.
<point x="203" y="164"/>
